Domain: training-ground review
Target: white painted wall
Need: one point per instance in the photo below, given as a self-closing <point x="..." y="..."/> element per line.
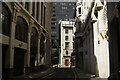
<point x="96" y="61"/>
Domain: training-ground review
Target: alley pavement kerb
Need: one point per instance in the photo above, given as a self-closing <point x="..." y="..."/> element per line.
<point x="85" y="75"/>
<point x="36" y="75"/>
<point x="82" y="74"/>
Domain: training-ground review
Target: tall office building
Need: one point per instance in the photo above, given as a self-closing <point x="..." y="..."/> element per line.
<point x="61" y="11"/>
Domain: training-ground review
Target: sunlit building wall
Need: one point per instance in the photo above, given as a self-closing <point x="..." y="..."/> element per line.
<point x="91" y="37"/>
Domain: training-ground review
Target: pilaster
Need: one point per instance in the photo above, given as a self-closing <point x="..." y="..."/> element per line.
<point x="10" y="63"/>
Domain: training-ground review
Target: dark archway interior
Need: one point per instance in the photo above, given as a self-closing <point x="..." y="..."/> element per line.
<point x="42" y="46"/>
<point x="19" y="55"/>
<point x="4" y="60"/>
<point x="33" y="49"/>
<point x="21" y="30"/>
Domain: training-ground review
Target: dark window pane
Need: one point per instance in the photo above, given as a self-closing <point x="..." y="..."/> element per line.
<point x="27" y="5"/>
<point x="66" y="31"/>
<point x="37" y="13"/>
<point x="42" y="46"/>
<point x="79" y="10"/>
<point x="33" y="9"/>
<point x="52" y="27"/>
<point x="5" y="20"/>
<point x="21" y="30"/>
<point x="44" y="15"/>
<point x="66" y="37"/>
<point x="41" y="13"/>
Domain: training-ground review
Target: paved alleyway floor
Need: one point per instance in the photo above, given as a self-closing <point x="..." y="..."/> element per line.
<point x="58" y="74"/>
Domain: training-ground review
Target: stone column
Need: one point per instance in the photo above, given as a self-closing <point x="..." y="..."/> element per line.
<point x="30" y="8"/>
<point x="10" y="54"/>
<point x="23" y="3"/>
<point x="27" y="55"/>
<point x="39" y="19"/>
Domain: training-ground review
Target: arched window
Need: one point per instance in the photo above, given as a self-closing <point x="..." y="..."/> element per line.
<point x="21" y="30"/>
<point x="33" y="49"/>
<point x="34" y="41"/>
<point x="6" y="19"/>
<point x="42" y="45"/>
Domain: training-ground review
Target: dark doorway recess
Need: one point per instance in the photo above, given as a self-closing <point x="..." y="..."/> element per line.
<point x="5" y="72"/>
<point x="19" y="55"/>
<point x="33" y="48"/>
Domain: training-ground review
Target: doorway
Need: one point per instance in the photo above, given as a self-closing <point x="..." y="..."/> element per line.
<point x="67" y="62"/>
<point x="5" y="72"/>
<point x="19" y="55"/>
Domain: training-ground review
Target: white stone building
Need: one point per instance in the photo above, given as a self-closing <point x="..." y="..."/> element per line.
<point x="67" y="30"/>
<point x="91" y="37"/>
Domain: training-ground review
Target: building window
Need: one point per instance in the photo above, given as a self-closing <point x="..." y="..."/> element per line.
<point x="53" y="36"/>
<point x="54" y="3"/>
<point x="53" y="19"/>
<point x="54" y="15"/>
<point x="21" y="32"/>
<point x="67" y="62"/>
<point x="66" y="31"/>
<point x="73" y="38"/>
<point x="41" y="13"/>
<point x="52" y="27"/>
<point x="86" y="53"/>
<point x="34" y="36"/>
<point x="27" y="5"/>
<point x="53" y="11"/>
<point x="66" y="37"/>
<point x="42" y="46"/>
<point x="44" y="15"/>
<point x="66" y="52"/>
<point x="79" y="9"/>
<point x="37" y="13"/>
<point x="53" y="32"/>
<point x="34" y="48"/>
<point x="33" y="9"/>
<point x="64" y="7"/>
<point x="63" y="4"/>
<point x="96" y="14"/>
<point x="66" y="45"/>
<point x="5" y="17"/>
<point x="69" y="3"/>
<point x="53" y="23"/>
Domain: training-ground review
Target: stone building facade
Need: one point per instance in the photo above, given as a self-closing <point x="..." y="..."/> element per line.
<point x="26" y="37"/>
<point x="92" y="46"/>
<point x="67" y="30"/>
